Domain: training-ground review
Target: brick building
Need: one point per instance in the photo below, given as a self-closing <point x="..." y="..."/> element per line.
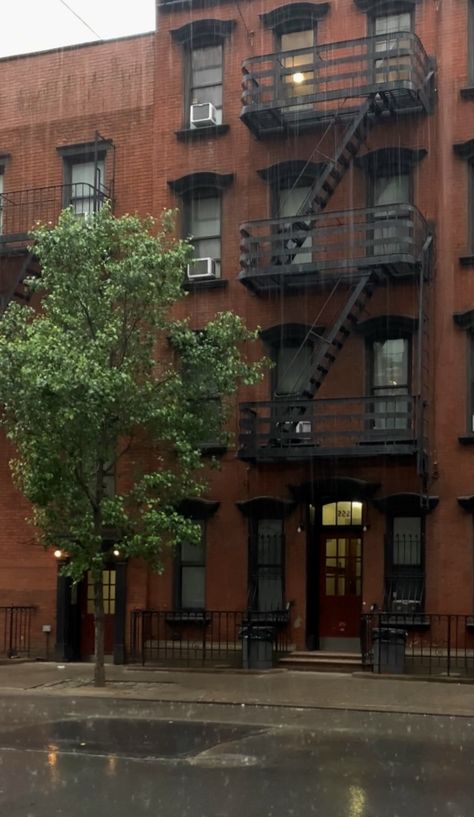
<point x="326" y="151"/>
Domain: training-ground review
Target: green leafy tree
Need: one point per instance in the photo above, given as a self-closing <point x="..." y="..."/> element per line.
<point x="99" y="376"/>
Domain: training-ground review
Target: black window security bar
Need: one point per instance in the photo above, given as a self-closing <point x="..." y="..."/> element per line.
<point x="346" y="426"/>
<point x="15" y="630"/>
<point x="22" y="209"/>
<point x="418" y="643"/>
<point x="334" y="78"/>
<point x="299" y="251"/>
<point x="200" y="638"/>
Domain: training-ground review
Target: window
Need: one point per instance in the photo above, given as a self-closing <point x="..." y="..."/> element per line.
<point x="388" y="235"/>
<point x="392" y="67"/>
<point x="86" y="191"/>
<point x="298" y="73"/>
<point x="266" y="565"/>
<point x="404" y="570"/>
<point x="191" y="574"/>
<point x="205" y="83"/>
<point x="390" y="382"/>
<point x="293" y="368"/>
<point x="203" y="213"/>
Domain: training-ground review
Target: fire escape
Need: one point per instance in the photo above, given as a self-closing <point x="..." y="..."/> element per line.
<point x="350" y="251"/>
<point x="20" y="210"/>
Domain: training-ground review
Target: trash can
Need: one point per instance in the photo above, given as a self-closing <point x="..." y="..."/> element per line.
<point x="389" y="650"/>
<point x="257" y="647"/>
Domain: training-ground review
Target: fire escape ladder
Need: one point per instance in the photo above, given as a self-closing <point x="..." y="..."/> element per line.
<point x="353" y="137"/>
<point x="340" y="331"/>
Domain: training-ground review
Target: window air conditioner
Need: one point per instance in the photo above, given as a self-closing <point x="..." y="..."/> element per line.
<point x="303" y="427"/>
<point x="202" y="269"/>
<point x="203" y="114"/>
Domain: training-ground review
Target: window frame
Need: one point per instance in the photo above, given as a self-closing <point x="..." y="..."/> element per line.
<point x="407" y="572"/>
<point x="188" y="78"/>
<point x="188" y="199"/>
<point x="254" y="564"/>
<point x="181" y="564"/>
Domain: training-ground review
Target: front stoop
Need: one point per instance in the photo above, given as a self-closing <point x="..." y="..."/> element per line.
<point x="322" y="661"/>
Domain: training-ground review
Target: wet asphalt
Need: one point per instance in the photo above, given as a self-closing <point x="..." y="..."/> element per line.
<point x="90" y="758"/>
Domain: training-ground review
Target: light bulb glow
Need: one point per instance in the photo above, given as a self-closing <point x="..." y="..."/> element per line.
<point x="58" y="553"/>
<point x="298" y="78"/>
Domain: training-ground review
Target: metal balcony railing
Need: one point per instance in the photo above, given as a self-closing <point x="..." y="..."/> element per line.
<point x="346" y="426"/>
<point x="303" y="250"/>
<point x="20" y="210"/>
<point x="312" y="84"/>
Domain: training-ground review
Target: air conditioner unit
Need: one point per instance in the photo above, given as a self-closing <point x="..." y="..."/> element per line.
<point x="202" y="269"/>
<point x="303" y="427"/>
<point x="203" y="114"/>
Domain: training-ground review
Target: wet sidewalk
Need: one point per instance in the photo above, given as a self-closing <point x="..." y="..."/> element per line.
<point x="271" y="688"/>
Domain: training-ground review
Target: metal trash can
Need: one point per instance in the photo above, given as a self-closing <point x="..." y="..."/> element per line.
<point x="257" y="646"/>
<point x="389" y="650"/>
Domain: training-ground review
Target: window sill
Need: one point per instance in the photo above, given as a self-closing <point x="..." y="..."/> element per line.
<point x="466" y="439"/>
<point x="215" y="283"/>
<point x="467" y="93"/>
<point x="466" y="260"/>
<point x="190" y="134"/>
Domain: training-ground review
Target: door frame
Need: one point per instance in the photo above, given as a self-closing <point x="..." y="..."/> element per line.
<point x="314" y="536"/>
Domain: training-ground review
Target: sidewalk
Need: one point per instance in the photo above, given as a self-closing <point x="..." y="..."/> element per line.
<point x="271" y="688"/>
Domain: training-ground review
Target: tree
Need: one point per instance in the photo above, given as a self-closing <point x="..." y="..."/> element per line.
<point x="99" y="374"/>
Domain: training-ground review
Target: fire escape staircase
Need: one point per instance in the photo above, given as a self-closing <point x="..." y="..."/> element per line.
<point x="315" y="202"/>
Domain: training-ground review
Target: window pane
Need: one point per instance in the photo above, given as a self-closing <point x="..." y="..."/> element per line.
<point x="205" y="57"/>
<point x="193" y="553"/>
<point x="330" y="586"/>
<point x="392" y="23"/>
<point x="331" y="547"/>
<point x="329" y="514"/>
<point x="391" y="362"/>
<point x="293" y="368"/>
<point x="269" y="590"/>
<point x="407" y="540"/>
<point x="357" y="513"/>
<point x="208" y="248"/>
<point x="344" y="514"/>
<point x="83" y="172"/>
<point x="393" y="189"/>
<point x="269" y="544"/>
<point x="193" y="580"/>
<point x="297" y="39"/>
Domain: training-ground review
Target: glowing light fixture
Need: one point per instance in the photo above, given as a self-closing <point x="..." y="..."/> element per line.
<point x="298" y="78"/>
<point x="116" y="552"/>
<point x="58" y="553"/>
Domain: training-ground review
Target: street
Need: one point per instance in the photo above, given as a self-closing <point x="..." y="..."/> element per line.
<point x="84" y="756"/>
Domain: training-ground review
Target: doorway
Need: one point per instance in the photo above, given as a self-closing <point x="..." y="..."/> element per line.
<point x="335" y="576"/>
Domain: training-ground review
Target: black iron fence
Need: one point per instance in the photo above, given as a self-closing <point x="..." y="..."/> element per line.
<point x="201" y="638"/>
<point x="15" y="630"/>
<point x="418" y="643"/>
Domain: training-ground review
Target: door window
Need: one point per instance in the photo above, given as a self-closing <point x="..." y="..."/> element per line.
<point x="108" y="589"/>
<point x="343" y="566"/>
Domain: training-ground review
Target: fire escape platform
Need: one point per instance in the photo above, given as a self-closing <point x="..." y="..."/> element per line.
<point x="294" y="253"/>
<point x="299" y="90"/>
<point x="350" y="427"/>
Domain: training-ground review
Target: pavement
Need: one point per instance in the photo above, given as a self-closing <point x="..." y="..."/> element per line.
<point x="272" y="688"/>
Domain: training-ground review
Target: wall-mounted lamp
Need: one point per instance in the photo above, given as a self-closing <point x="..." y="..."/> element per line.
<point x="116" y="552"/>
<point x="58" y="554"/>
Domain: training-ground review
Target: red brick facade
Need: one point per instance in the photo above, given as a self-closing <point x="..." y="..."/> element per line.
<point x="132" y="92"/>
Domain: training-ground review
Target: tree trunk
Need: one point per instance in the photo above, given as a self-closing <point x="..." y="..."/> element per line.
<point x="99" y="668"/>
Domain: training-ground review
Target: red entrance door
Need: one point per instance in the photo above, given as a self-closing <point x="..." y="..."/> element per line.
<point x="87" y="613"/>
<point x="340" y="591"/>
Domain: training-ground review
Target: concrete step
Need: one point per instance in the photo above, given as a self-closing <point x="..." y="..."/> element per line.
<point x="317" y="661"/>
